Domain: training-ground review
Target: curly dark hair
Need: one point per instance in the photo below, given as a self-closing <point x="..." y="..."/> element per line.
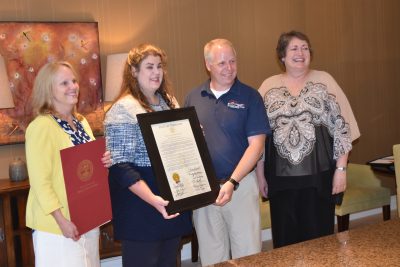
<point x="130" y="84"/>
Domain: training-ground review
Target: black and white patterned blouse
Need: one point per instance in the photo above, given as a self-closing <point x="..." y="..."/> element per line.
<point x="294" y="120"/>
<point x="77" y="137"/>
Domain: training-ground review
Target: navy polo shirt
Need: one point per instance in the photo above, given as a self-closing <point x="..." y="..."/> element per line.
<point x="228" y="122"/>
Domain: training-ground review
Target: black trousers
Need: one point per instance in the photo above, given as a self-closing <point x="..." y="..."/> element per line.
<point x="150" y="254"/>
<point x="299" y="215"/>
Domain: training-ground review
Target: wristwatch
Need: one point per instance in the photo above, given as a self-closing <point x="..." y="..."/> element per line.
<point x="343" y="169"/>
<point x="235" y="184"/>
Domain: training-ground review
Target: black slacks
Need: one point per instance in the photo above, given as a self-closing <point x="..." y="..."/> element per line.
<point x="300" y="215"/>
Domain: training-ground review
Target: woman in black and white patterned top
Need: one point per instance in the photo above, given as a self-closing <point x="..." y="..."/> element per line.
<point x="313" y="127"/>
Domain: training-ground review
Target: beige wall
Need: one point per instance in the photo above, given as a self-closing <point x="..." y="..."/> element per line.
<point x="357" y="41"/>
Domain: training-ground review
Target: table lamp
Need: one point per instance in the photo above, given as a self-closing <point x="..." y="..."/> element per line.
<point x="17" y="168"/>
<point x="114" y="71"/>
<point x="6" y="99"/>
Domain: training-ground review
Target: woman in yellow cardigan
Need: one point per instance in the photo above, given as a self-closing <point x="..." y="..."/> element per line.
<point x="57" y="126"/>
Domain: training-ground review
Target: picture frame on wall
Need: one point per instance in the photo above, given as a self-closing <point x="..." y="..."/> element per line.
<point x="26" y="46"/>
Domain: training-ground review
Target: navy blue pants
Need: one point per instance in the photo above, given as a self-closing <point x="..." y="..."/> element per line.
<point x="150" y="253"/>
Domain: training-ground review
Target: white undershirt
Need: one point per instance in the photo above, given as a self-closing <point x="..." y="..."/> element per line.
<point x="218" y="94"/>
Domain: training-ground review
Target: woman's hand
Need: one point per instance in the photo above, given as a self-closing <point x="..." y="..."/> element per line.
<point x="263" y="186"/>
<point x="142" y="190"/>
<point x="159" y="204"/>
<point x="69" y="230"/>
<point x="262" y="182"/>
<point x="339" y="182"/>
<point x="106" y="159"/>
<point x="67" y="227"/>
<point x="340" y="176"/>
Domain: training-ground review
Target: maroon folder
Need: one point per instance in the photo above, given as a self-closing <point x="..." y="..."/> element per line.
<point x="86" y="183"/>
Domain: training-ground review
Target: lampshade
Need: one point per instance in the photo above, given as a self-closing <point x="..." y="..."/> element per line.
<point x="115" y="67"/>
<point x="6" y="100"/>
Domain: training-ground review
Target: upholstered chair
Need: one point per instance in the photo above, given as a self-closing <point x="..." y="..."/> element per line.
<point x="364" y="192"/>
<point x="265" y="214"/>
<point x="396" y="154"/>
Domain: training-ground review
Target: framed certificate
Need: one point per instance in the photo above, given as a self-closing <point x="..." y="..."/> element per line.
<point x="180" y="158"/>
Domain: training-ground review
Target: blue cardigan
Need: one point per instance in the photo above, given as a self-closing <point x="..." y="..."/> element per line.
<point x="133" y="218"/>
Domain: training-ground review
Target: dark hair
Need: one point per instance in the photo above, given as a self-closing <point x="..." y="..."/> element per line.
<point x="130" y="84"/>
<point x="284" y="41"/>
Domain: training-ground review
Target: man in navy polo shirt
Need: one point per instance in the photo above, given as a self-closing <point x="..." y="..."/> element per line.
<point x="235" y="125"/>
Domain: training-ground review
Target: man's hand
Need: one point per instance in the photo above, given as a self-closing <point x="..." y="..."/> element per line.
<point x="225" y="194"/>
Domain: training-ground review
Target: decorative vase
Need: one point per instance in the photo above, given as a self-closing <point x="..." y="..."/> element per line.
<point x="17" y="170"/>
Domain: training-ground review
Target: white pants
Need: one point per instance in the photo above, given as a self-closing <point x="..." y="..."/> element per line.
<point x="232" y="229"/>
<point x="56" y="250"/>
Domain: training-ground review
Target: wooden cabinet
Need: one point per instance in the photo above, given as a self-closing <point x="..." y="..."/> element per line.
<point x="108" y="246"/>
<point x="16" y="247"/>
<point x="15" y="244"/>
<point x="3" y="248"/>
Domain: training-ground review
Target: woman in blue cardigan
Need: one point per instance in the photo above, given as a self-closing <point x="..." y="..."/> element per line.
<point x="150" y="237"/>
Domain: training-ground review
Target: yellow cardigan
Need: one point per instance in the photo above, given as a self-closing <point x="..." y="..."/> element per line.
<point x="44" y="139"/>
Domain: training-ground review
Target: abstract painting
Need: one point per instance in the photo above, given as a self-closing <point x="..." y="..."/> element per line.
<point x="26" y="47"/>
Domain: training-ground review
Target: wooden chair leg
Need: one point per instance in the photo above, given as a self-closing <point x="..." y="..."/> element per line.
<point x="192" y="238"/>
<point x="195" y="247"/>
<point x="386" y="212"/>
<point x="178" y="256"/>
<point x="343" y="222"/>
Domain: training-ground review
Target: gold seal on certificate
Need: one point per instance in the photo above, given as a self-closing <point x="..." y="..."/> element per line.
<point x="180" y="158"/>
<point x="179" y="154"/>
<point x="176" y="177"/>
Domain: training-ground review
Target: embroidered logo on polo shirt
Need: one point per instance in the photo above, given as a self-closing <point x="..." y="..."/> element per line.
<point x="234" y="104"/>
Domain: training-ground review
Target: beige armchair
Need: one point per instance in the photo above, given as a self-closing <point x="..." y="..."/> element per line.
<point x="396" y="154"/>
<point x="265" y="214"/>
<point x="364" y="192"/>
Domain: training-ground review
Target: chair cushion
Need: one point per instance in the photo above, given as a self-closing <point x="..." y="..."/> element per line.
<point x="265" y="215"/>
<point x="358" y="199"/>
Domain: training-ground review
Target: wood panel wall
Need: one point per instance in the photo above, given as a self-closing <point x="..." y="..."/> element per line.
<point x="357" y="41"/>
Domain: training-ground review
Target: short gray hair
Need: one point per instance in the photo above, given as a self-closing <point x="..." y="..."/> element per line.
<point x="216" y="42"/>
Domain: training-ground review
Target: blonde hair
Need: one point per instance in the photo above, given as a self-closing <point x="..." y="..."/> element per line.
<point x="130" y="84"/>
<point x="42" y="94"/>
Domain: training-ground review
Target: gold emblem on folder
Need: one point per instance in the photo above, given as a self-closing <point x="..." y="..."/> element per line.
<point x="85" y="170"/>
